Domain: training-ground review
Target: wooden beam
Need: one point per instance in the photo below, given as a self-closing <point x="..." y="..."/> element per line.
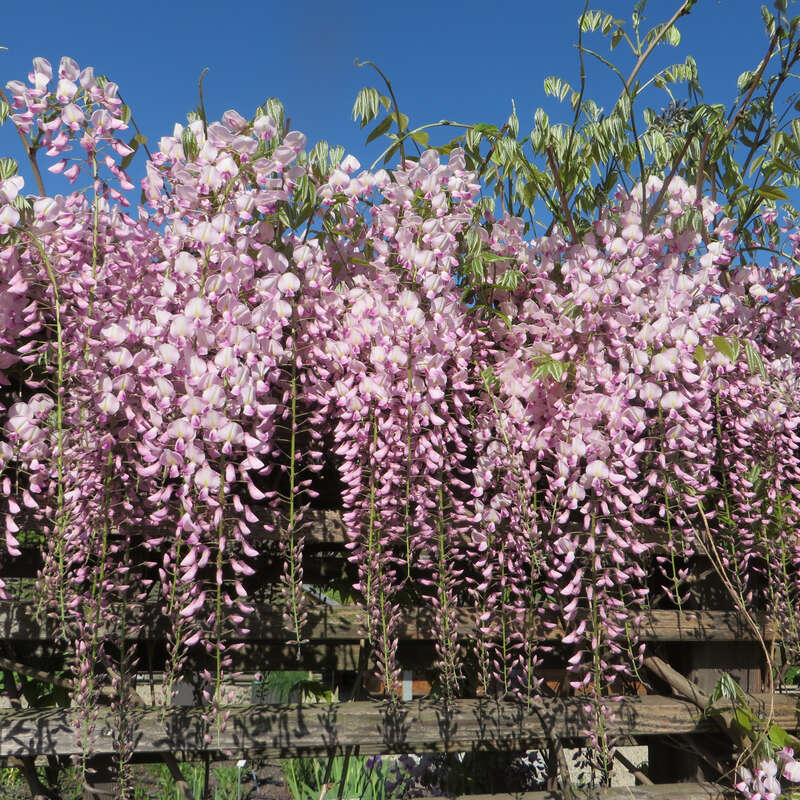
<point x="345" y="624"/>
<point x="664" y="791"/>
<point x="283" y="731"/>
<point x="319" y="527"/>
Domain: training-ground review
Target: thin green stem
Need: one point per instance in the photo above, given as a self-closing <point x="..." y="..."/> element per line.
<point x="448" y="640"/>
<point x="684" y="8"/>
<point x="293" y="569"/>
<point x="170" y="676"/>
<point x="388" y="83"/>
<point x="409" y="461"/>
<point x="371" y="522"/>
<point x="442" y="123"/>
<point x="60" y="359"/>
<point x="579" y="106"/>
<point x="602" y="737"/>
<point x="218" y="609"/>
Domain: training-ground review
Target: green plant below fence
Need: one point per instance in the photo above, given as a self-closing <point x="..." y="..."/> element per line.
<point x="347" y="777"/>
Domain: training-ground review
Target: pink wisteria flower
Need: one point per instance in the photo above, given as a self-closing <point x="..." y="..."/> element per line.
<point x="765" y="784"/>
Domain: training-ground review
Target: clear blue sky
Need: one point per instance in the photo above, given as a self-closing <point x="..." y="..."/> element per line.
<point x="459" y="60"/>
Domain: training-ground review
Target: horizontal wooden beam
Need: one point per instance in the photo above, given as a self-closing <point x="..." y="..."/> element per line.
<point x="317" y="569"/>
<point x="322" y="529"/>
<point x="346" y="624"/>
<point x="664" y="791"/>
<point x="424" y="726"/>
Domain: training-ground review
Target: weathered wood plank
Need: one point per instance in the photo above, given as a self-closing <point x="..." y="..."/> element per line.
<point x="664" y="791"/>
<point x="319" y="527"/>
<point x="323" y="530"/>
<point x="281" y="731"/>
<point x="702" y="626"/>
<point x="345" y="624"/>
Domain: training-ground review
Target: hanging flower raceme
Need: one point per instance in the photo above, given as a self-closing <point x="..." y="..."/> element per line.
<point x="403" y="358"/>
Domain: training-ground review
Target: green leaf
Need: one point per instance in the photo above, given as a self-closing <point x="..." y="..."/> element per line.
<point x="743" y="81"/>
<point x="391" y="151"/>
<point x="319" y="155"/>
<point x="285" y="218"/>
<point x="304" y="192"/>
<point x="472" y="139"/>
<point x="8" y="167"/>
<point x="513" y="121"/>
<point x="590" y="21"/>
<point x="700" y="354"/>
<point x="556" y="87"/>
<point x="754" y="362"/>
<point x="673" y="36"/>
<point x="792" y="674"/>
<point x="22" y="204"/>
<point x="189" y="142"/>
<point x="780" y="737"/>
<point x="510" y="279"/>
<point x="473" y="242"/>
<point x="274" y="109"/>
<point x="756" y="161"/>
<point x="5" y="110"/>
<point x="379" y="129"/>
<point x="366" y="105"/>
<point x="506" y="150"/>
<point x="336" y="155"/>
<point x="401" y="120"/>
<point x="726" y="687"/>
<point x="137" y="141"/>
<point x="769" y="192"/>
<point x="593" y="20"/>
<point x="540" y="119"/>
<point x="421" y="138"/>
<point x="489" y="378"/>
<point x="744" y="718"/>
<point x="529" y="194"/>
<point x="547" y="367"/>
<point x="474" y="268"/>
<point x="728" y="347"/>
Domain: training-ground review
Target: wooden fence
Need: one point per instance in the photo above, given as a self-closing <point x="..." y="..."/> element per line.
<point x="686" y="651"/>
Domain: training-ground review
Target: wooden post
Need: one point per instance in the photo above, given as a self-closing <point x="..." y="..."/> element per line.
<point x="99" y="780"/>
<point x="703" y="663"/>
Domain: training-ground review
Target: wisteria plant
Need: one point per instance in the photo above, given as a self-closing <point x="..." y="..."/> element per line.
<point x="522" y="424"/>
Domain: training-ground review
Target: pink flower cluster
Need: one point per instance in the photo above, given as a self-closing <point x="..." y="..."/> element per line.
<point x="81" y="108"/>
<point x="765" y="783"/>
<point x="173" y="381"/>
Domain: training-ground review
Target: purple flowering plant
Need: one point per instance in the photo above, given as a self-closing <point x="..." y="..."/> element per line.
<point x="523" y="420"/>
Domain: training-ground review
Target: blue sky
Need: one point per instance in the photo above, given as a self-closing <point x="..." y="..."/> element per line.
<point x="459" y="60"/>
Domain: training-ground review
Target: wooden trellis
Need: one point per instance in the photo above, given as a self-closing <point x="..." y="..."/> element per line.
<point x="686" y="651"/>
